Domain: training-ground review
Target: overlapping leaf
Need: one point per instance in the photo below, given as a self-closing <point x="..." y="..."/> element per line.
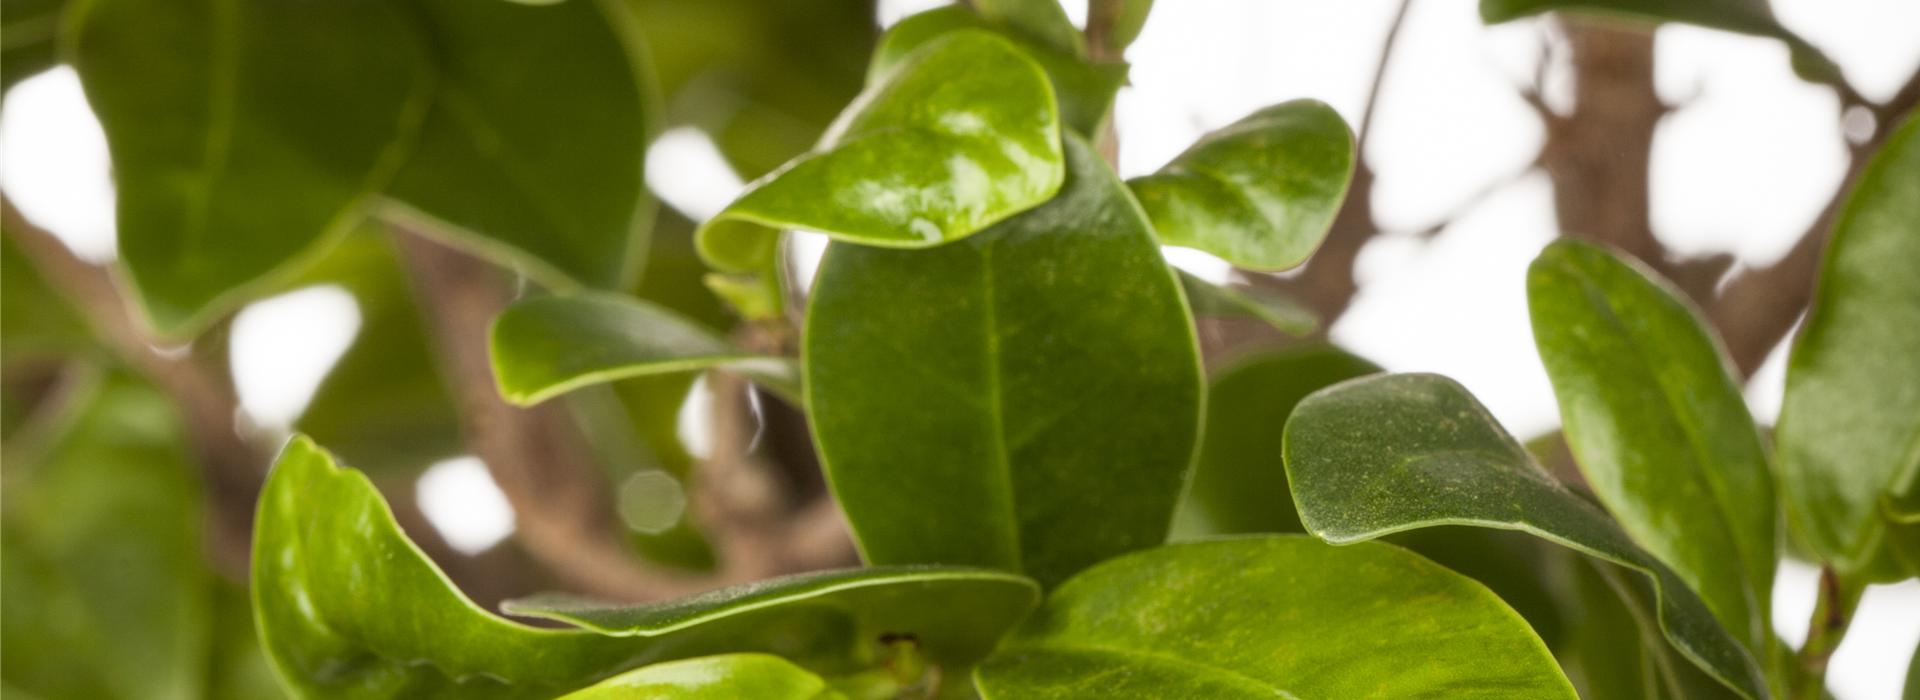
<point x="722" y="677"/>
<point x="1279" y="311"/>
<point x="1269" y="617"/>
<point x="236" y="148"/>
<point x="980" y="403"/>
<point x="1383" y="454"/>
<point x="918" y="160"/>
<point x="1043" y="20"/>
<point x="537" y="138"/>
<point x="1659" y="427"/>
<point x="1260" y="193"/>
<point x="1849" y="433"/>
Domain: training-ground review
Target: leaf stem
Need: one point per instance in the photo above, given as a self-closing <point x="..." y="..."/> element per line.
<point x="1832" y="613"/>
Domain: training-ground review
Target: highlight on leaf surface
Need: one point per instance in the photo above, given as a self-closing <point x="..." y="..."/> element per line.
<point x="918" y="160"/>
<point x="1378" y="455"/>
<point x="547" y="346"/>
<point x="1260" y="193"/>
<point x="721" y="677"/>
<point x="1184" y="620"/>
<point x="1084" y="88"/>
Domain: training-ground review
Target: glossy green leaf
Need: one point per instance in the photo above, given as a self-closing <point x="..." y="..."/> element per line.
<point x="980" y="403"/>
<point x="1849" y="432"/>
<point x="955" y="614"/>
<point x="1239" y="485"/>
<point x="1085" y="89"/>
<point x="1260" y="193"/>
<point x="1043" y="20"/>
<point x="919" y="160"/>
<point x="547" y="346"/>
<point x="28" y="33"/>
<point x="1278" y="310"/>
<point x="723" y="677"/>
<point x="383" y="407"/>
<point x="1384" y="454"/>
<point x="1269" y="617"/>
<point x="244" y="135"/>
<point x="536" y="142"/>
<point x="105" y="590"/>
<point x="1659" y="427"/>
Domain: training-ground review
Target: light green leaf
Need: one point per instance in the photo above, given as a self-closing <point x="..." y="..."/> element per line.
<point x="1260" y="193"/>
<point x="244" y="135"/>
<point x="1123" y="19"/>
<point x="105" y="590"/>
<point x="1043" y="20"/>
<point x="537" y="138"/>
<point x="1085" y="89"/>
<point x="980" y="403"/>
<point x="918" y="160"/>
<point x="1849" y="432"/>
<point x="1378" y="455"/>
<point x="547" y="346"/>
<point x="1239" y="485"/>
<point x="1269" y="617"/>
<point x="1279" y="311"/>
<point x="1659" y="427"/>
<point x="955" y="614"/>
<point x="723" y="677"/>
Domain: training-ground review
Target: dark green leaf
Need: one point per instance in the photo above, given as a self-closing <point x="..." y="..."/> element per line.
<point x="1913" y="678"/>
<point x="1260" y="193"/>
<point x="723" y="677"/>
<point x="1659" y="427"/>
<point x="1238" y="484"/>
<point x="28" y="33"/>
<point x="1085" y="89"/>
<point x="1272" y="617"/>
<point x="36" y="322"/>
<point x="1383" y="454"/>
<point x="106" y="593"/>
<point x="239" y="668"/>
<point x="955" y="614"/>
<point x="537" y="138"/>
<point x="981" y="403"/>
<point x="919" y="160"/>
<point x="1608" y="659"/>
<point x="1279" y="311"/>
<point x="1849" y="432"/>
<point x="547" y="346"/>
<point x="1042" y="20"/>
<point x="244" y="136"/>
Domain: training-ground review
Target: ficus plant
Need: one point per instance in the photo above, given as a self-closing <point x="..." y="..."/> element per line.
<point x="999" y="372"/>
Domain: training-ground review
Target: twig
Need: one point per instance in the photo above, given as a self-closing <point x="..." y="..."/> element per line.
<point x="1379" y="76"/>
<point x="1832" y="614"/>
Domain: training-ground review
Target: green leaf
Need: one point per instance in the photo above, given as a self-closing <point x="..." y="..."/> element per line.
<point x="1272" y="617"/>
<point x="955" y="614"/>
<point x="1849" y="432"/>
<point x="1261" y="192"/>
<point x="1239" y="484"/>
<point x="534" y="149"/>
<point x="1744" y="16"/>
<point x="547" y="346"/>
<point x="981" y="403"/>
<point x="918" y="160"/>
<point x="1384" y="454"/>
<point x="106" y="592"/>
<point x="1123" y="19"/>
<point x="1608" y="659"/>
<point x="244" y="135"/>
<point x="1042" y="20"/>
<point x="36" y="322"/>
<point x="1913" y="678"/>
<point x="1659" y="427"/>
<point x="1278" y="310"/>
<point x="28" y="33"/>
<point x="723" y="677"/>
<point x="1085" y="89"/>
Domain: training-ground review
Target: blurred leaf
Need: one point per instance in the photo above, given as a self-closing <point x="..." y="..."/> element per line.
<point x="1659" y="427"/>
<point x="955" y="614"/>
<point x="28" y="32"/>
<point x="921" y="159"/>
<point x="35" y="321"/>
<point x="1261" y="192"/>
<point x="1239" y="484"/>
<point x="1123" y="18"/>
<point x="1913" y="678"/>
<point x="106" y="594"/>
<point x="547" y="346"/>
<point x="1849" y="431"/>
<point x="534" y="148"/>
<point x="1608" y="657"/>
<point x="1278" y="310"/>
<point x="1042" y="20"/>
<point x="244" y="136"/>
<point x="1379" y="455"/>
<point x="1083" y="88"/>
<point x="1743" y="16"/>
<point x="383" y="406"/>
<point x="239" y="670"/>
<point x="981" y="403"/>
<point x="723" y="677"/>
<point x="1178" y="621"/>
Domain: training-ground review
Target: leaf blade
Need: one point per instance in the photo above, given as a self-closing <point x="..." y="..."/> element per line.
<point x="720" y="677"/>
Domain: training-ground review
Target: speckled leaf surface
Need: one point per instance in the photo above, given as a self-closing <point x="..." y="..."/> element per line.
<point x="1378" y="455"/>
<point x="1027" y="399"/>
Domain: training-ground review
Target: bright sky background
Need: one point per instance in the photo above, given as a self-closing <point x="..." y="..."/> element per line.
<point x="1741" y="167"/>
